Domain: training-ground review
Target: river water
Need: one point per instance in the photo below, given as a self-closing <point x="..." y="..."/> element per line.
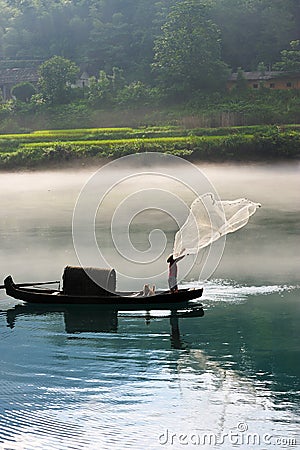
<point x="74" y="379"/>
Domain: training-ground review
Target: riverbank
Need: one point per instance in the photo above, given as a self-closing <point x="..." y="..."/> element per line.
<point x="60" y="147"/>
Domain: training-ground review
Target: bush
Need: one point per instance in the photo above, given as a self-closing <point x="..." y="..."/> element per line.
<point x="137" y="93"/>
<point x="23" y="91"/>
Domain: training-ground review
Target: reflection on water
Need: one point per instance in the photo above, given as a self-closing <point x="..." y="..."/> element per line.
<point x="77" y="318"/>
<point x="133" y="380"/>
<point x="80" y="379"/>
<point x="100" y="319"/>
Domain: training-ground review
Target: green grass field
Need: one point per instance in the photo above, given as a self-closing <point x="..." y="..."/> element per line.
<point x="234" y="143"/>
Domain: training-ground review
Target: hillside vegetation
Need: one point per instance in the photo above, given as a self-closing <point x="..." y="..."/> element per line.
<point x="147" y="62"/>
<point x="117" y="77"/>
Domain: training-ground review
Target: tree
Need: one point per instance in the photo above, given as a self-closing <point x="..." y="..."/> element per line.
<point x="23" y="91"/>
<point x="254" y="30"/>
<point x="187" y="54"/>
<point x="5" y="17"/>
<point x="55" y="78"/>
<point x="241" y="82"/>
<point x="117" y="79"/>
<point x="39" y="29"/>
<point x="290" y="59"/>
<point x="122" y="35"/>
<point x="137" y="94"/>
<point x="100" y="90"/>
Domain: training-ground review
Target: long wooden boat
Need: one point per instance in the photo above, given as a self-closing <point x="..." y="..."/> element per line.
<point x="118" y="300"/>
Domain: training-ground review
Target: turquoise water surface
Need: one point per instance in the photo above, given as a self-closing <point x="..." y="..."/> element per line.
<point x="79" y="378"/>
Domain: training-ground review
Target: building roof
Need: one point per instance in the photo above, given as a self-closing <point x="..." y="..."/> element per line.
<point x="18" y="75"/>
<point x="268" y="75"/>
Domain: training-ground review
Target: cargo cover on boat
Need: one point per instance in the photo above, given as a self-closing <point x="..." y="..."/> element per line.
<point x="88" y="281"/>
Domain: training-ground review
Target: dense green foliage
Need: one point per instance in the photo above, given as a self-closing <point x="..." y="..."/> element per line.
<point x="148" y="62"/>
<point x="138" y="106"/>
<point x="239" y="143"/>
<point x="96" y="34"/>
<point x="290" y="59"/>
<point x="255" y="30"/>
<point x="102" y="34"/>
<point x="188" y="52"/>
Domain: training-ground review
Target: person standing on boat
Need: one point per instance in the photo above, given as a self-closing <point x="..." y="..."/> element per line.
<point x="172" y="280"/>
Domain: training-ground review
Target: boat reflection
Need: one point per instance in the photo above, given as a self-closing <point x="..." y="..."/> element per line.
<point x="77" y="318"/>
<point x="97" y="318"/>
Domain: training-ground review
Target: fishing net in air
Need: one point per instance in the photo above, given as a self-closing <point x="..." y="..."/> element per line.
<point x="209" y="219"/>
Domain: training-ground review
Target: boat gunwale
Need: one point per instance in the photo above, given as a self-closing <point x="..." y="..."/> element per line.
<point x="58" y="297"/>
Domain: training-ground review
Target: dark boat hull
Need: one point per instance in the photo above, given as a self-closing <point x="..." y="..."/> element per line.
<point x="119" y="301"/>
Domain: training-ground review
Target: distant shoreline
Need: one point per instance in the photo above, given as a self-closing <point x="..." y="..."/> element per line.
<point x="84" y="147"/>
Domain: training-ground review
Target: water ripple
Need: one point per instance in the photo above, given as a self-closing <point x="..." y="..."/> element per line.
<point x="63" y="391"/>
<point x="220" y="290"/>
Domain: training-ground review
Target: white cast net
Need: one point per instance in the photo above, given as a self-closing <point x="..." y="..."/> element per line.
<point x="209" y="219"/>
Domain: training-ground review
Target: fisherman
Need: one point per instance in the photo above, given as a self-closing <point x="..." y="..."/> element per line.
<point x="172" y="280"/>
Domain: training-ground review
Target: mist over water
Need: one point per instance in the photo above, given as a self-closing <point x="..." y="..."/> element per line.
<point x="71" y="380"/>
<point x="267" y="249"/>
<point x="37" y="211"/>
